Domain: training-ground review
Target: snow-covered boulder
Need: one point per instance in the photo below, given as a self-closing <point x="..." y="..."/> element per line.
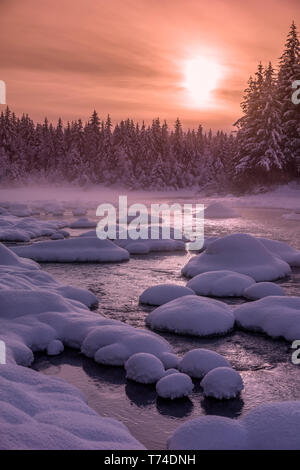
<point x="222" y="383"/>
<point x="209" y="433"/>
<point x="192" y="315"/>
<point x="57" y="236"/>
<point x="220" y="284"/>
<point x="283" y="251"/>
<point x="163" y="293"/>
<point x="38" y="412"/>
<point x="55" y="347"/>
<point x="83" y="223"/>
<point x="263" y="289"/>
<point x="144" y="368"/>
<point x="220" y="210"/>
<point x="79" y="212"/>
<point x="170" y="372"/>
<point x="8" y="258"/>
<point x="240" y="253"/>
<point x="169" y="360"/>
<point x="275" y="316"/>
<point x="74" y="250"/>
<point x="198" y="362"/>
<point x="15" y="229"/>
<point x="174" y="386"/>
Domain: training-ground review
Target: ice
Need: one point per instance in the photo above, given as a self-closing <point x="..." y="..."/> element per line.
<point x="240" y="253"/>
<point x="222" y="383"/>
<point x="175" y="385"/>
<point x="45" y="413"/>
<point x="198" y="362"/>
<point x="144" y="368"/>
<point x="74" y="250"/>
<point x="220" y="210"/>
<point x="192" y="315"/>
<point x="220" y="284"/>
<point x="276" y="316"/>
<point x="163" y="293"/>
<point x="263" y="289"/>
<point x="83" y="223"/>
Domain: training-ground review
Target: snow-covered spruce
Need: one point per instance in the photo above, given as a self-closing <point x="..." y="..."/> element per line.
<point x="163" y="293"/>
<point x="220" y="284"/>
<point x="263" y="289"/>
<point x="240" y="253"/>
<point x="198" y="362"/>
<point x="83" y="223"/>
<point x="174" y="386"/>
<point x="220" y="210"/>
<point x="271" y="426"/>
<point x="192" y="315"/>
<point x="74" y="250"/>
<point x="274" y="316"/>
<point x="222" y="383"/>
<point x="38" y="412"/>
<point x="283" y="251"/>
<point x="144" y="368"/>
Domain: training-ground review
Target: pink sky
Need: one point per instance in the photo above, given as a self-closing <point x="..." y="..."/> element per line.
<point x="123" y="57"/>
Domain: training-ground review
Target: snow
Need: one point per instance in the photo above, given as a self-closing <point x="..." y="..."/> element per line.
<point x="174" y="386"/>
<point x="192" y="315"/>
<point x="163" y="293"/>
<point x="55" y="347"/>
<point x="222" y="383"/>
<point x="169" y="360"/>
<point x="240" y="253"/>
<point x="8" y="258"/>
<point x="170" y="371"/>
<point x="292" y="216"/>
<point x="15" y="229"/>
<point x="144" y="368"/>
<point x="74" y="250"/>
<point x="263" y="289"/>
<point x="276" y="316"/>
<point x="198" y="362"/>
<point x="220" y="284"/>
<point x="271" y="426"/>
<point x="220" y="210"/>
<point x="83" y="223"/>
<point x="209" y="433"/>
<point x="45" y="413"/>
<point x="283" y="251"/>
<point x="57" y="236"/>
<point x="79" y="212"/>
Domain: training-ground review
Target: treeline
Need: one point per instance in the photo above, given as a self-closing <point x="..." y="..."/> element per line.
<point x="265" y="149"/>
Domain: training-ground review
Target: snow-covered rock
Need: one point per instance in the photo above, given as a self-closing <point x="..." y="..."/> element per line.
<point x="198" y="362"/>
<point x="45" y="413"/>
<point x="222" y="383"/>
<point x="57" y="236"/>
<point x="192" y="315"/>
<point x="220" y="210"/>
<point x="79" y="212"/>
<point x="174" y="386"/>
<point x="220" y="284"/>
<point x="8" y="258"/>
<point x="83" y="223"/>
<point x="240" y="253"/>
<point x="169" y="360"/>
<point x="163" y="293"/>
<point x="55" y="347"/>
<point x="170" y="372"/>
<point x="283" y="251"/>
<point x="74" y="250"/>
<point x="263" y="289"/>
<point x="275" y="316"/>
<point x="15" y="229"/>
<point x="144" y="368"/>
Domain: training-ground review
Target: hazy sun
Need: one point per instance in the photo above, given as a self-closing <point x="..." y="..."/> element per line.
<point x="201" y="78"/>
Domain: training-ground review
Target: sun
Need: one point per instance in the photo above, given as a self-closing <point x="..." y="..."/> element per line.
<point x="202" y="75"/>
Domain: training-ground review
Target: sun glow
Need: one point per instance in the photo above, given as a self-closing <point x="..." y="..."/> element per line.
<point x="202" y="75"/>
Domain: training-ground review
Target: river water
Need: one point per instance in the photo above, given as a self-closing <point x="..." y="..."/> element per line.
<point x="264" y="364"/>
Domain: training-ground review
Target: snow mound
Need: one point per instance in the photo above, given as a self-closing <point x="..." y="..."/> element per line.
<point x="275" y="316"/>
<point x="174" y="386"/>
<point x="170" y="372"/>
<point x="57" y="236"/>
<point x="283" y="251"/>
<point x="192" y="315"/>
<point x="263" y="289"/>
<point x="83" y="223"/>
<point x="198" y="362"/>
<point x="79" y="212"/>
<point x="220" y="210"/>
<point x="220" y="284"/>
<point x="144" y="368"/>
<point x="14" y="229"/>
<point x="222" y="383"/>
<point x="209" y="433"/>
<point x="8" y="258"/>
<point x="169" y="360"/>
<point x="55" y="348"/>
<point x="240" y="253"/>
<point x="45" y="413"/>
<point x="74" y="250"/>
<point x="163" y="293"/>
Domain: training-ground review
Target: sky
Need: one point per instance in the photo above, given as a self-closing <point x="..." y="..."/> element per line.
<point x="65" y="58"/>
